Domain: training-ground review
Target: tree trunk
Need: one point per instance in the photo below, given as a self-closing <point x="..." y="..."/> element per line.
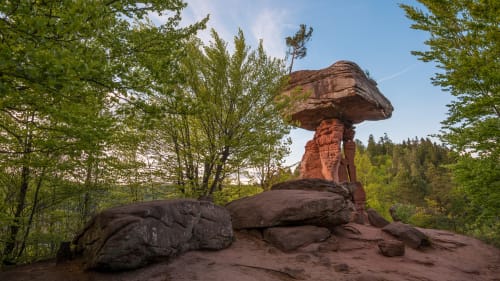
<point x="14" y="228"/>
<point x="218" y="171"/>
<point x="32" y="214"/>
<point x="86" y="196"/>
<point x="291" y="63"/>
<point x="207" y="171"/>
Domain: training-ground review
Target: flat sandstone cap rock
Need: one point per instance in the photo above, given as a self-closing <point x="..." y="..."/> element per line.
<point x="341" y="91"/>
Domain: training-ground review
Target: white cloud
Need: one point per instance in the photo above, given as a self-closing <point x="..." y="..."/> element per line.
<point x="257" y="19"/>
<point x="269" y="26"/>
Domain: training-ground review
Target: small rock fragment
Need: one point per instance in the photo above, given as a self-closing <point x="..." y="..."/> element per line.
<point x="341" y="267"/>
<point x="391" y="248"/>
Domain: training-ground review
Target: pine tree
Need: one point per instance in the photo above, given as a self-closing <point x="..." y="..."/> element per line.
<point x="297" y="44"/>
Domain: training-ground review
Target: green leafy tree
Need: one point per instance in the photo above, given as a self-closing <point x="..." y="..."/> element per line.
<point x="229" y="114"/>
<point x="297" y="44"/>
<point x="464" y="42"/>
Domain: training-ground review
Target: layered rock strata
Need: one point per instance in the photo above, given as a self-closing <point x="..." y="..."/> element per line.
<point x="341" y="91"/>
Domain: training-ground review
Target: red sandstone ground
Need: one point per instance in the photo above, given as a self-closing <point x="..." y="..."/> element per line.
<point x="345" y="256"/>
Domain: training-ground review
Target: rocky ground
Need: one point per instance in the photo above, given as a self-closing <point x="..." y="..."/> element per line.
<point x="351" y="253"/>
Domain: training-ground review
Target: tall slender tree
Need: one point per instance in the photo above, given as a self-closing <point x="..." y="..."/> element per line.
<point x="297" y="44"/>
<point x="230" y="112"/>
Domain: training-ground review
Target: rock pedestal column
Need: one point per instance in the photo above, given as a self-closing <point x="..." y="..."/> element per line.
<point x="323" y="159"/>
<point x="336" y="97"/>
<point x="323" y="154"/>
<point x="310" y="166"/>
<point x="349" y="152"/>
<point x="328" y="137"/>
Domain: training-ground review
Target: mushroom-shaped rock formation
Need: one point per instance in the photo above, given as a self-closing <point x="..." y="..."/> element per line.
<point x="335" y="98"/>
<point x="341" y="91"/>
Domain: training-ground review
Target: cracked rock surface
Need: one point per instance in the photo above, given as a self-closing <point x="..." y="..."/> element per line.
<point x="132" y="236"/>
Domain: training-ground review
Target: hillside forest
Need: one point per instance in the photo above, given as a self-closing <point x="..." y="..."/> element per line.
<point x="100" y="106"/>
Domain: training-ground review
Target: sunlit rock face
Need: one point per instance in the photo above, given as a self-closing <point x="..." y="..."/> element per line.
<point x="341" y="91"/>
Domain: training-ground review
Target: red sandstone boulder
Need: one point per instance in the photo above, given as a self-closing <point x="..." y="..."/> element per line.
<point x="310" y="165"/>
<point x="376" y="219"/>
<point x="347" y="256"/>
<point x="346" y="190"/>
<point x="391" y="248"/>
<point x="325" y="158"/>
<point x="290" y="207"/>
<point x="341" y="91"/>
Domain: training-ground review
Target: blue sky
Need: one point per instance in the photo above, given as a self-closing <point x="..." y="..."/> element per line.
<point x="374" y="34"/>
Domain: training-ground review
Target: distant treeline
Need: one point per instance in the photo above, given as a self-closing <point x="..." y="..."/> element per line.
<point x="416" y="178"/>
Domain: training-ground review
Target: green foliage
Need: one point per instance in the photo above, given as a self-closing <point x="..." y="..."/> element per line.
<point x="424" y="182"/>
<point x="464" y="42"/>
<point x="479" y="186"/>
<point x="70" y="71"/>
<point x="428" y="216"/>
<point x="228" y="117"/>
<point x="406" y="175"/>
<point x="297" y="44"/>
<point x="101" y="107"/>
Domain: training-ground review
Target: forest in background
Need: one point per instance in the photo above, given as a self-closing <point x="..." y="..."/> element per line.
<point x="101" y="107"/>
<point x="416" y="178"/>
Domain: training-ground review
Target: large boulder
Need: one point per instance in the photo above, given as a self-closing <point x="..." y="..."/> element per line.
<point x="132" y="236"/>
<point x="346" y="190"/>
<point x="288" y="238"/>
<point x="341" y="91"/>
<point x="290" y="207"/>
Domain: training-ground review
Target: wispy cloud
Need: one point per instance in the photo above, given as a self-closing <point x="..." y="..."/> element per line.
<point x="258" y="20"/>
<point x="399" y="73"/>
<point x="269" y="26"/>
